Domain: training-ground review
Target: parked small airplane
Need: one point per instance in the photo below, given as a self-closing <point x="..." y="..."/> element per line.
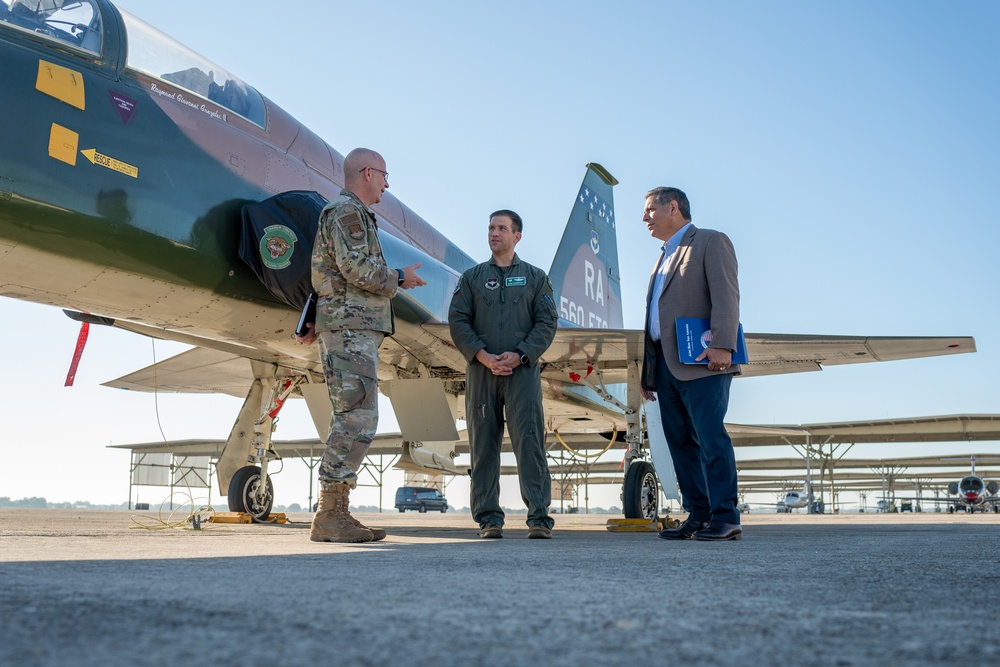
<point x="973" y="493"/>
<point x="792" y="500"/>
<point x="795" y="499"/>
<point x="132" y="174"/>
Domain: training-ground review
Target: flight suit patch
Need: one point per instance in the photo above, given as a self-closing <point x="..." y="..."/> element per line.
<point x="518" y="281"/>
<point x="492" y="283"/>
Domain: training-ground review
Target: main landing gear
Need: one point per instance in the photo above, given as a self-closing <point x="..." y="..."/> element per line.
<point x="641" y="492"/>
<point x="641" y="489"/>
<point x="251" y="493"/>
<point x="250" y="489"/>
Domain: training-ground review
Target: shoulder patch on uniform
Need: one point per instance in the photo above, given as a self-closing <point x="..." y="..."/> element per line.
<point x="353" y="225"/>
<point x="348" y="212"/>
<point x="349" y="218"/>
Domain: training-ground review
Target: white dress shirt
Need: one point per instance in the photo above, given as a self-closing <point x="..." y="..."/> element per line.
<point x="669" y="248"/>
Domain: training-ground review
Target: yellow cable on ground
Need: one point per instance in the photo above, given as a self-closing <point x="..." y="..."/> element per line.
<point x="203" y="513"/>
<point x="614" y="437"/>
<point x="197" y="518"/>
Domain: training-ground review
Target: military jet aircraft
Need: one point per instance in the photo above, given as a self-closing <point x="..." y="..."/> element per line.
<point x="133" y="172"/>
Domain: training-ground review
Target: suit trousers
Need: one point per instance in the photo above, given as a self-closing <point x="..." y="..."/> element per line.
<point x="693" y="414"/>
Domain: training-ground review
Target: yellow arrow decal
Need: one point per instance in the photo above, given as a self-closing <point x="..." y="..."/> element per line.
<point x="111" y="163"/>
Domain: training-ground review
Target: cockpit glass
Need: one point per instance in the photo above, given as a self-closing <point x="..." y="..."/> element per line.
<point x="971" y="484"/>
<point x="73" y="22"/>
<point x="152" y="52"/>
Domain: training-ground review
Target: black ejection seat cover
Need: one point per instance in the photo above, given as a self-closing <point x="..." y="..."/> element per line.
<point x="276" y="241"/>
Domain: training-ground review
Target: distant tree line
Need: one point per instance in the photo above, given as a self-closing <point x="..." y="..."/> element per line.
<point x="41" y="503"/>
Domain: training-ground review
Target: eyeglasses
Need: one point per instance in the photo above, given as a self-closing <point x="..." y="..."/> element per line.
<point x="384" y="173"/>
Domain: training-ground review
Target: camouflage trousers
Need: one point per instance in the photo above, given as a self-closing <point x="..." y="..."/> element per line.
<point x="350" y="363"/>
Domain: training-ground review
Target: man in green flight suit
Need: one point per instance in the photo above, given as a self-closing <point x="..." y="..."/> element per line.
<point x="502" y="318"/>
<point x="353" y="315"/>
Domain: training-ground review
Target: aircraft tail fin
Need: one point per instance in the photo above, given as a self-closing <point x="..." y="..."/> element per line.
<point x="584" y="272"/>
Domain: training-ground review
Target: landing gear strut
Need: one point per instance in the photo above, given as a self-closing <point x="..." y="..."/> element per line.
<point x="250" y="489"/>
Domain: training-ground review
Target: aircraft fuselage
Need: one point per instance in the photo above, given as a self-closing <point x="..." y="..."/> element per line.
<point x="120" y="192"/>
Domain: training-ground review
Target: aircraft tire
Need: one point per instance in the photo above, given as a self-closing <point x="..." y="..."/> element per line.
<point x="241" y="493"/>
<point x="641" y="492"/>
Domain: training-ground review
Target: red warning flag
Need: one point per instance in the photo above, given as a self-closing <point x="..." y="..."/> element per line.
<point x="81" y="341"/>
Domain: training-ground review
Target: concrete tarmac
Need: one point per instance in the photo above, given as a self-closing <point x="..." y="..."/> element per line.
<point x="84" y="588"/>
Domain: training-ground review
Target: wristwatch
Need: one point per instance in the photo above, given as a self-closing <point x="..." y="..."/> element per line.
<point x="401" y="278"/>
<point x="524" y="358"/>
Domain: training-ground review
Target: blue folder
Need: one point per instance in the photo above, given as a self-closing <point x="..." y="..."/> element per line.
<point x="694" y="334"/>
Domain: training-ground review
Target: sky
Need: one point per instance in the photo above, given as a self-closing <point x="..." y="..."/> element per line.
<point x="847" y="148"/>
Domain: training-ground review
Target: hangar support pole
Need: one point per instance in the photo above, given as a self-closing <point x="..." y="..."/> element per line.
<point x="379" y="467"/>
<point x="311" y="464"/>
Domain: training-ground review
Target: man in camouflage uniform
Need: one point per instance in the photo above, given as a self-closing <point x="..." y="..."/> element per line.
<point x="502" y="319"/>
<point x="353" y="315"/>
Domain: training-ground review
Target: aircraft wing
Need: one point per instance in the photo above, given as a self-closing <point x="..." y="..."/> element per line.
<point x="773" y="354"/>
<point x="199" y="371"/>
<point x="385" y="444"/>
<point x="582" y="358"/>
<point x="579" y="350"/>
<point x="610" y="351"/>
<point x="203" y="370"/>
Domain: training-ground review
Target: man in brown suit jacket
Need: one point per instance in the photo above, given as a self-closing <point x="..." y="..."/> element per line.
<point x="695" y="276"/>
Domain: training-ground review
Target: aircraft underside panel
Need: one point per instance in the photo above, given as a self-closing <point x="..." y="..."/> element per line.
<point x="660" y="453"/>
